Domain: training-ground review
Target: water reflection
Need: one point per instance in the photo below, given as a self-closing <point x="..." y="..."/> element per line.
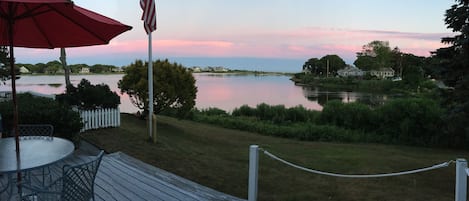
<point x="55" y="85"/>
<point x="224" y="91"/>
<point x="228" y="92"/>
<point x="322" y="96"/>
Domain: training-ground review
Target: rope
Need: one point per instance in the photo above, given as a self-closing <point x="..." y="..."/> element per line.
<point x="442" y="165"/>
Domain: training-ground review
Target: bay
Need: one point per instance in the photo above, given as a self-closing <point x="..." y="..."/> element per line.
<point x="224" y="91"/>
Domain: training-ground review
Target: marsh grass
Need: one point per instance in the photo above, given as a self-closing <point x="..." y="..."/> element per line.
<point x="218" y="158"/>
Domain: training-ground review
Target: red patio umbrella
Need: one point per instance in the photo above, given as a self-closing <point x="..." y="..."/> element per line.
<point x="51" y="24"/>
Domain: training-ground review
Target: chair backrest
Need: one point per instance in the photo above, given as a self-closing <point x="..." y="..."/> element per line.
<point x="78" y="180"/>
<point x="36" y="130"/>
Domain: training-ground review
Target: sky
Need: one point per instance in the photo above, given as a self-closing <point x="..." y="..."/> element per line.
<point x="268" y="35"/>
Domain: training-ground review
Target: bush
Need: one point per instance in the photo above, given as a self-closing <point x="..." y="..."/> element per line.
<point x="412" y="121"/>
<point x="40" y="110"/>
<point x="347" y="115"/>
<point x="214" y="112"/>
<point x="277" y="114"/>
<point x="88" y="96"/>
<point x="244" y="110"/>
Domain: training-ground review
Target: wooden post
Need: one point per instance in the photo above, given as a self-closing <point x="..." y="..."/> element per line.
<point x="253" y="172"/>
<point x="461" y="180"/>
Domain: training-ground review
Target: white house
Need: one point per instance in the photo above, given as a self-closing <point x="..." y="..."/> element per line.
<point x="196" y="69"/>
<point x="220" y="69"/>
<point x="383" y="73"/>
<point x="350" y="71"/>
<point x="24" y="70"/>
<point x="85" y="70"/>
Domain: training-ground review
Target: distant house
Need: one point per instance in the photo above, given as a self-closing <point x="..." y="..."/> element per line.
<point x="220" y="69"/>
<point x="196" y="69"/>
<point x="24" y="70"/>
<point x="350" y="71"/>
<point x="85" y="70"/>
<point x="383" y="73"/>
<point x="117" y="70"/>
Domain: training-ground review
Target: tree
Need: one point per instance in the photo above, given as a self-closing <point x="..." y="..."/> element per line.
<point x="312" y="65"/>
<point x="66" y="68"/>
<point x="453" y="68"/>
<point x="374" y="55"/>
<point x="319" y="66"/>
<point x="413" y="75"/>
<point x="454" y="60"/>
<point x="4" y="64"/>
<point x="89" y="96"/>
<point x="41" y="67"/>
<point x="335" y="63"/>
<point x="174" y="86"/>
<point x="53" y="66"/>
<point x="75" y="68"/>
<point x="100" y="68"/>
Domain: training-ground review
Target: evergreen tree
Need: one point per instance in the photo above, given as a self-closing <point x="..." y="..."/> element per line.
<point x="453" y="69"/>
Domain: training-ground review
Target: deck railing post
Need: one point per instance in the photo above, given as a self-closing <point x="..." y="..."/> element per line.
<point x="461" y="180"/>
<point x="253" y="172"/>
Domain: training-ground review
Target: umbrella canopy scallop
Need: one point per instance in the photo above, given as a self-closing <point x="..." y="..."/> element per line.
<point x="54" y="24"/>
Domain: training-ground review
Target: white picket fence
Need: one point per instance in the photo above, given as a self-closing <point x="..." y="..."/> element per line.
<point x="100" y="118"/>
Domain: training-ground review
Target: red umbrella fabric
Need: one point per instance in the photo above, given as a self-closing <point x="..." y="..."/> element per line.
<point x="54" y="24"/>
<point x="51" y="24"/>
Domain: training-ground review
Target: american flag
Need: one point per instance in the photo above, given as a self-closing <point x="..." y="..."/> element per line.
<point x="149" y="15"/>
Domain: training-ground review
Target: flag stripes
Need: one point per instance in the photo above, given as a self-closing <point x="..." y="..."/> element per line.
<point x="149" y="15"/>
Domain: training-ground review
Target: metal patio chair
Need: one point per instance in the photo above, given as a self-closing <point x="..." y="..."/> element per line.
<point x="45" y="130"/>
<point x="4" y="185"/>
<point x="36" y="130"/>
<point x="76" y="184"/>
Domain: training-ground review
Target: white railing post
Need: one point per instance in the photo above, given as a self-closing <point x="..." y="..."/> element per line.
<point x="253" y="172"/>
<point x="461" y="180"/>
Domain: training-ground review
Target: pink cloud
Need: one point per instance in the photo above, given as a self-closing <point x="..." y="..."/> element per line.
<point x="300" y="43"/>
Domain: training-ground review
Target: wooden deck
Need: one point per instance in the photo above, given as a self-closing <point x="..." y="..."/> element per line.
<point x="121" y="177"/>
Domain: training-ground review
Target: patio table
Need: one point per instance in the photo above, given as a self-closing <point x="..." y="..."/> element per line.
<point x="35" y="152"/>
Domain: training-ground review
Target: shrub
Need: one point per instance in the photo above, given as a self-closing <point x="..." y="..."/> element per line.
<point x="301" y="131"/>
<point x="40" y="110"/>
<point x="88" y="96"/>
<point x="347" y="115"/>
<point x="413" y="121"/>
<point x="298" y="114"/>
<point x="244" y="110"/>
<point x="214" y="112"/>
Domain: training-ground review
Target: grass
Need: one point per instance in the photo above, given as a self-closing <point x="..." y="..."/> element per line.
<point x="218" y="158"/>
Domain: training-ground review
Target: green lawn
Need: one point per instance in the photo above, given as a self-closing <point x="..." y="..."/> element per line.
<point x="218" y="158"/>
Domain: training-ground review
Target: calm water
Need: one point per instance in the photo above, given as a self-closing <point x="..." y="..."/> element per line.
<point x="223" y="91"/>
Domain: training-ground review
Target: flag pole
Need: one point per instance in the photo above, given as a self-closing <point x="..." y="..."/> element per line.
<point x="149" y="22"/>
<point x="150" y="88"/>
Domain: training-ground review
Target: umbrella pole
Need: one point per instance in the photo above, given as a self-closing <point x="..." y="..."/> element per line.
<point x="15" y="103"/>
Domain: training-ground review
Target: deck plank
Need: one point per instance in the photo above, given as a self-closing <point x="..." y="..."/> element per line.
<point x="123" y="178"/>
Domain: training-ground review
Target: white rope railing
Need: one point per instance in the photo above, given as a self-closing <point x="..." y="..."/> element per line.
<point x="462" y="172"/>
<point x="441" y="165"/>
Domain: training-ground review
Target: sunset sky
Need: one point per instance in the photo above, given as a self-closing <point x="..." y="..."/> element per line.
<point x="259" y="34"/>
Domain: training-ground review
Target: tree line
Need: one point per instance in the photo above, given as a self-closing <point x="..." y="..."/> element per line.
<point x="52" y="67"/>
<point x="373" y="56"/>
<point x="55" y="66"/>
